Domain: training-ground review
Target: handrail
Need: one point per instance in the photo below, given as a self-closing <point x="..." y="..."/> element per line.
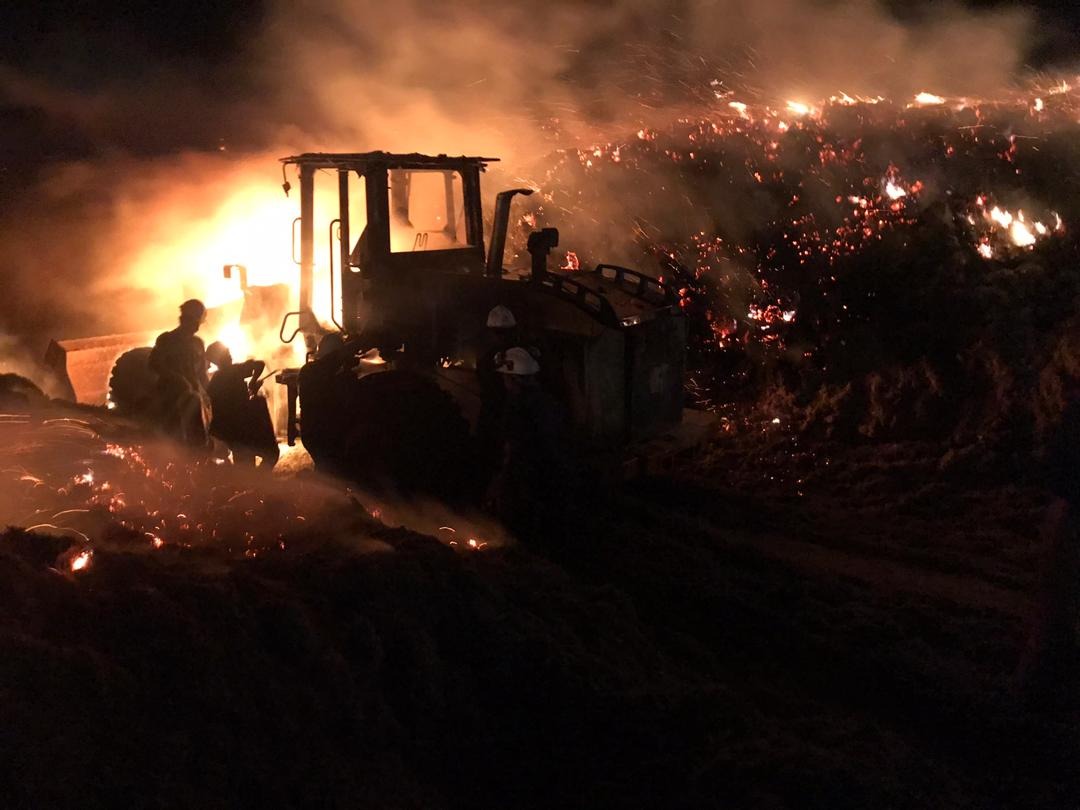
<point x="585" y="298"/>
<point x="330" y="248"/>
<point x="640" y="283"/>
<point x="296" y="261"/>
<point x="285" y="320"/>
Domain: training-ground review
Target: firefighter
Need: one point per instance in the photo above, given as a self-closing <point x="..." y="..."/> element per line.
<point x="530" y="493"/>
<point x="502" y="332"/>
<point x="241" y="418"/>
<point x="179" y="360"/>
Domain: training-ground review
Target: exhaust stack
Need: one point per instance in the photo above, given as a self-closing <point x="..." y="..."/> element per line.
<point x="499" y="228"/>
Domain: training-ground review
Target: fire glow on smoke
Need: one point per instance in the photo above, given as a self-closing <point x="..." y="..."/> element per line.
<point x="813" y="150"/>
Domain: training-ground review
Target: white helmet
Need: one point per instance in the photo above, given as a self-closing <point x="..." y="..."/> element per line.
<point x="501" y="318"/>
<point x="517" y="361"/>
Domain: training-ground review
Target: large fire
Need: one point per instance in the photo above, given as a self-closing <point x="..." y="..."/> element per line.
<point x="252" y="229"/>
<point x="188" y="241"/>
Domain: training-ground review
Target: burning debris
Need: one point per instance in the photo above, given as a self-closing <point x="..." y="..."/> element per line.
<point x="66" y="477"/>
<point x="760" y="210"/>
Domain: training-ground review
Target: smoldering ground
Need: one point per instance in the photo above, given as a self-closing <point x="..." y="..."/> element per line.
<point x="715" y="638"/>
<point x="105" y="484"/>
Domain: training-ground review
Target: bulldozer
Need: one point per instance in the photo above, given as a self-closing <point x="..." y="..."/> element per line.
<point x="407" y="282"/>
<point x="411" y="283"/>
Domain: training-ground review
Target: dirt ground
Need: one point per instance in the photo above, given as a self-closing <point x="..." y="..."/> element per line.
<point x="773" y="624"/>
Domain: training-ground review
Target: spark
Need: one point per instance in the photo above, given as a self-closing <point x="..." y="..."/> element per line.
<point x="70" y="512"/>
<point x="58" y="529"/>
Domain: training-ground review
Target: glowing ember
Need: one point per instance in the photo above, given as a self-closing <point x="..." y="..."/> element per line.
<point x="471" y="543"/>
<point x="928" y="99"/>
<point x="81" y="561"/>
<point x="1007" y="230"/>
<point x="893" y="191"/>
<point x="798" y="108"/>
<point x="770" y="315"/>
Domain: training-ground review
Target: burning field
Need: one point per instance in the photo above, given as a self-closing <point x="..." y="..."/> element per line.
<point x="850" y="249"/>
<point x="834" y="600"/>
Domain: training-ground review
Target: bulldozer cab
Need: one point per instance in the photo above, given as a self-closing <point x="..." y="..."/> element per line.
<point x="404" y="270"/>
<point x="392" y="218"/>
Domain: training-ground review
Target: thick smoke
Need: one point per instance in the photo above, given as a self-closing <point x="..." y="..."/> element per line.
<point x="113" y="241"/>
<point x="481" y="75"/>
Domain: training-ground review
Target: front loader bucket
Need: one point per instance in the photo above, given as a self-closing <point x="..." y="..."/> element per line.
<point x="83" y="365"/>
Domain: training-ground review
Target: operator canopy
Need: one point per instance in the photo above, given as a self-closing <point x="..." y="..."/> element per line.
<point x="518" y="362"/>
<point x="501" y="317"/>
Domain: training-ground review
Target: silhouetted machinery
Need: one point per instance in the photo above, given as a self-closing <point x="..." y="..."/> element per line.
<point x="409" y="277"/>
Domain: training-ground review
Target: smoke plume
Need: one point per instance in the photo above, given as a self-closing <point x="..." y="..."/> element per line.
<point x="171" y="155"/>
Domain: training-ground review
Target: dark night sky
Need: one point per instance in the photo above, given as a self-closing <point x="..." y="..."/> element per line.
<point x="93" y="38"/>
<point x="85" y="41"/>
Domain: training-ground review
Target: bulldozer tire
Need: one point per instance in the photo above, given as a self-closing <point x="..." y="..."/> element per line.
<point x="132" y="383"/>
<point x="408" y="435"/>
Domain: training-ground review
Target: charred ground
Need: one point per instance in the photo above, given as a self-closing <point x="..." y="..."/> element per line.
<point x="784" y="622"/>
